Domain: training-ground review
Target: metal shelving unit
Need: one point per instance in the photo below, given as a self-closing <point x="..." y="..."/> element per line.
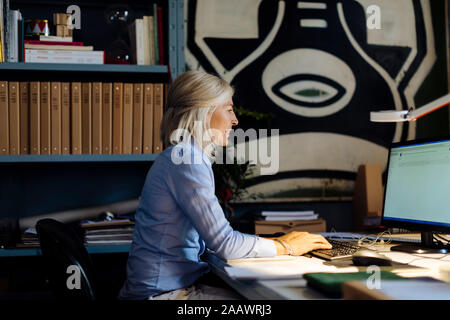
<point x="88" y="68"/>
<point x="26" y="158"/>
<point x="36" y="184"/>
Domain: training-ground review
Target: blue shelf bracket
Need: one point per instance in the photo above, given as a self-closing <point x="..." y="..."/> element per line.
<point x="176" y="37"/>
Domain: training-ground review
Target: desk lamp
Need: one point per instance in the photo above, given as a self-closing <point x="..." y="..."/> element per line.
<point x="411" y="114"/>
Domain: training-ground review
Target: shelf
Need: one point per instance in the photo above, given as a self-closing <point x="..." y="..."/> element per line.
<point x="27" y="158"/>
<point x="91" y="249"/>
<point x="62" y="67"/>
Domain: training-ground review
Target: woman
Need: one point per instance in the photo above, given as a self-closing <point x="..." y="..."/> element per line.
<point x="179" y="215"/>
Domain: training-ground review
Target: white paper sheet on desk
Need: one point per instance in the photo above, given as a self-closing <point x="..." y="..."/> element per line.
<point x="293" y="269"/>
<point x="267" y="259"/>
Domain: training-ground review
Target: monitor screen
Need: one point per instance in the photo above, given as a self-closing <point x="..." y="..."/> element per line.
<point x="417" y="194"/>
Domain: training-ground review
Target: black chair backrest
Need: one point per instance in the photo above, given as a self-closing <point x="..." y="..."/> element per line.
<point x="62" y="248"/>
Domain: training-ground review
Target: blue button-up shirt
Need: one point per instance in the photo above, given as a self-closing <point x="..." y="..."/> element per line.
<point x="178" y="216"/>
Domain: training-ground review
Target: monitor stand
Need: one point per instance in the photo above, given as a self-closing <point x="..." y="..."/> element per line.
<point x="427" y="245"/>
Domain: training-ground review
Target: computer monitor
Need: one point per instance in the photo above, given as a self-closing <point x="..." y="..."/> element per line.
<point x="417" y="193"/>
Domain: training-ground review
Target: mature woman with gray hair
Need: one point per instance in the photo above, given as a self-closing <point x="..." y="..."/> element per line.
<point x="179" y="215"/>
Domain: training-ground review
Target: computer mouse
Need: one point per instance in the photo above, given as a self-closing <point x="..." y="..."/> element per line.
<point x="366" y="257"/>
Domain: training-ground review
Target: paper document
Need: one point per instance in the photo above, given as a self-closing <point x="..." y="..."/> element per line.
<point x="293" y="269"/>
<point x="267" y="259"/>
<point x="287" y="213"/>
<point x="291" y="218"/>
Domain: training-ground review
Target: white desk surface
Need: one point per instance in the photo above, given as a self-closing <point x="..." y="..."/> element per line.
<point x="281" y="278"/>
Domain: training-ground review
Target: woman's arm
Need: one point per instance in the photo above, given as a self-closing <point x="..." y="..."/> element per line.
<point x="192" y="187"/>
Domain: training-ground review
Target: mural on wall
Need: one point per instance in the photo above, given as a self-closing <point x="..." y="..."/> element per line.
<point x="320" y="70"/>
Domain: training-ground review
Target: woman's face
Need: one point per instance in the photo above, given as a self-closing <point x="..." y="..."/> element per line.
<point x="222" y="120"/>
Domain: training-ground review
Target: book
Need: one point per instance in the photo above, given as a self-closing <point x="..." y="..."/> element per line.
<point x="146" y="38"/>
<point x="55" y="93"/>
<point x="65" y="117"/>
<point x="45" y="118"/>
<point x="2" y="32"/>
<point x="76" y="118"/>
<point x="14" y="118"/>
<point x="4" y="118"/>
<point x="155" y="32"/>
<point x="138" y="95"/>
<point x="6" y="31"/>
<point x="287" y="213"/>
<point x="140" y="49"/>
<point x="13" y="42"/>
<point x="58" y="47"/>
<point x="109" y="230"/>
<point x="127" y="138"/>
<point x="49" y="38"/>
<point x="291" y="218"/>
<point x="107" y="242"/>
<point x="151" y="39"/>
<point x="86" y="118"/>
<point x="89" y="224"/>
<point x="54" y="43"/>
<point x="147" y="134"/>
<point x="331" y="283"/>
<point x="110" y="237"/>
<point x="97" y="117"/>
<point x="24" y="103"/>
<point x="136" y="33"/>
<point x="64" y="56"/>
<point x="107" y="118"/>
<point x="160" y="36"/>
<point x="158" y="97"/>
<point x="430" y="289"/>
<point x="21" y="38"/>
<point x="117" y="118"/>
<point x="35" y="117"/>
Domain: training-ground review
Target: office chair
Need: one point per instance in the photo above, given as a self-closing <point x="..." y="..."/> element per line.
<point x="62" y="248"/>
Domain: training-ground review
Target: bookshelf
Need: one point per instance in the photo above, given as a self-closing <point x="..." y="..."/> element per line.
<point x="103" y="68"/>
<point x="30" y="158"/>
<point x="92" y="249"/>
<point x="38" y="184"/>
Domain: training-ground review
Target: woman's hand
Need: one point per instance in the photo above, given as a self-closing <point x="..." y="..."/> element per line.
<point x="301" y="243"/>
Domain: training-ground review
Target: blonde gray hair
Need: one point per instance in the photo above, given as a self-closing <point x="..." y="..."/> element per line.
<point x="191" y="100"/>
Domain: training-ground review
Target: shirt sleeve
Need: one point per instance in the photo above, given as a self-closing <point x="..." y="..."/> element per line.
<point x="193" y="189"/>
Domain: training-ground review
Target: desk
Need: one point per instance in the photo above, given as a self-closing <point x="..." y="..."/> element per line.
<point x="290" y="284"/>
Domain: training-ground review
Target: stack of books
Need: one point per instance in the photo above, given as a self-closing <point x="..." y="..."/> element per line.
<point x="116" y="231"/>
<point x="41" y="117"/>
<point x="53" y="49"/>
<point x="15" y="46"/>
<point x="288" y="215"/>
<point x="146" y="39"/>
<point x="29" y="238"/>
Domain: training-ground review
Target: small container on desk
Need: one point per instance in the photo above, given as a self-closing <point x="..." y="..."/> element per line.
<point x="270" y="227"/>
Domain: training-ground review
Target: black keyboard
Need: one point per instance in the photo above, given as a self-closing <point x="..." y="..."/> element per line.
<point x="341" y="249"/>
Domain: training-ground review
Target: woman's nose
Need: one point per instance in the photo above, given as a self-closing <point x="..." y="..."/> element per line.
<point x="234" y="120"/>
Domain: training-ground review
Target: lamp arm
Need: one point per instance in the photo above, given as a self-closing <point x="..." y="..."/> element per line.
<point x="429" y="107"/>
<point x="411" y="114"/>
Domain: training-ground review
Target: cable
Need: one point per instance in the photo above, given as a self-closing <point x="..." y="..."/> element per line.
<point x="371" y="243"/>
<point x="441" y="238"/>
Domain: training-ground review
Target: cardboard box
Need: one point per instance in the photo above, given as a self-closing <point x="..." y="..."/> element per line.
<point x="269" y="227"/>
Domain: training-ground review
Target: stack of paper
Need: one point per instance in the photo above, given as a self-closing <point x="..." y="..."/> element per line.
<point x="116" y="231"/>
<point x="288" y="215"/>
